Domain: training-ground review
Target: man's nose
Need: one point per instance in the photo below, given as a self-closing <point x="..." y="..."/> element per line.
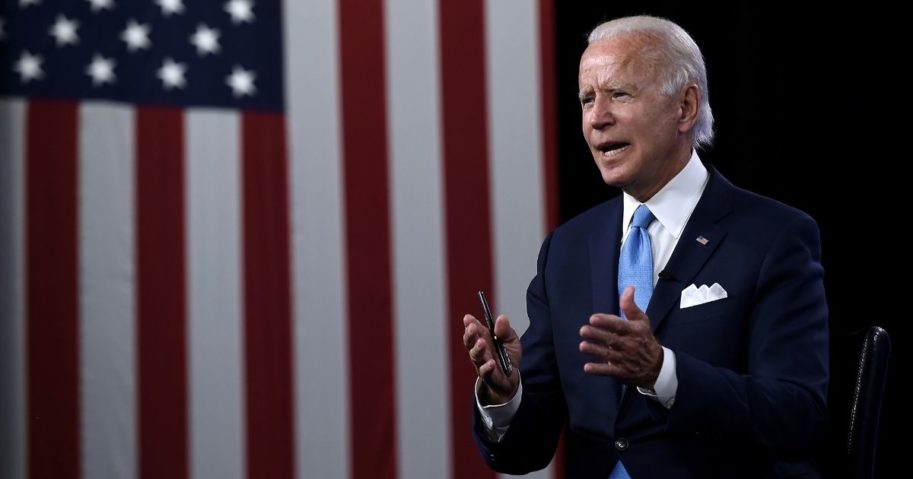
<point x="601" y="116"/>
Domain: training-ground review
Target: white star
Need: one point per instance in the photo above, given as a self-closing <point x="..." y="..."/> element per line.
<point x="25" y="3"/>
<point x="101" y="5"/>
<point x="101" y="70"/>
<point x="206" y="40"/>
<point x="240" y="10"/>
<point x="64" y="31"/>
<point x="172" y="74"/>
<point x="241" y="82"/>
<point x="136" y="35"/>
<point x="29" y="67"/>
<point x="171" y="6"/>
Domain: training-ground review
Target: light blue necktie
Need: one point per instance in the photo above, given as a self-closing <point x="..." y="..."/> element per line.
<point x="635" y="268"/>
<point x="635" y="264"/>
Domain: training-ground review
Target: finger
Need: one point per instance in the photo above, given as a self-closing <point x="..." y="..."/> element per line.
<point x="615" y="351"/>
<point x="603" y="333"/>
<point x="503" y="330"/>
<point x="486" y="369"/>
<point x="601" y="369"/>
<point x="611" y="324"/>
<point x="599" y="350"/>
<point x="471" y="334"/>
<point x="469" y="319"/>
<point x="491" y="375"/>
<point x="629" y="307"/>
<point x="479" y="354"/>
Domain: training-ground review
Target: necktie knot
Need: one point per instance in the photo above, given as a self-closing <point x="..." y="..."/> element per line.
<point x="642" y="217"/>
<point x="635" y="264"/>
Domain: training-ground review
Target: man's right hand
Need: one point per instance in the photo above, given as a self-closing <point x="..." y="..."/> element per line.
<point x="496" y="387"/>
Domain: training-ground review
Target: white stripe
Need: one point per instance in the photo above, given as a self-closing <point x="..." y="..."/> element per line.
<point x="214" y="327"/>
<point x="423" y="398"/>
<point x="12" y="277"/>
<point x="321" y="362"/>
<point x="107" y="279"/>
<point x="515" y="150"/>
<point x="514" y="120"/>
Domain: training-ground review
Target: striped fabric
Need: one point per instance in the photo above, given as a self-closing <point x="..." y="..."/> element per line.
<point x="218" y="291"/>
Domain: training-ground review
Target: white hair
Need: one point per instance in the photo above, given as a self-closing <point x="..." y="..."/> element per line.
<point x="681" y="62"/>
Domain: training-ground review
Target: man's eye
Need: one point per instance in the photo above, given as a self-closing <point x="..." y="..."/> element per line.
<point x="621" y="95"/>
<point x="586" y="100"/>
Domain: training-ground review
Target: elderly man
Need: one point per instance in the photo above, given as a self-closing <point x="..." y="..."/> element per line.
<point x="678" y="331"/>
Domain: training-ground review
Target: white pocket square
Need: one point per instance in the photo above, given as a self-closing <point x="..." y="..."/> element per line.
<point x="694" y="296"/>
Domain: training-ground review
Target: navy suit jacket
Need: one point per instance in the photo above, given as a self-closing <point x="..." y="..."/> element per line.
<point x="752" y="368"/>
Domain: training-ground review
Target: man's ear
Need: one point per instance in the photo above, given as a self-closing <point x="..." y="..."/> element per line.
<point x="688" y="107"/>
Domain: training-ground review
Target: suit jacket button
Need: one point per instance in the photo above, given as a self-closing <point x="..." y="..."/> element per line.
<point x="621" y="444"/>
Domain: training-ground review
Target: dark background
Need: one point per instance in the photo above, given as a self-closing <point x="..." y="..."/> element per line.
<point x="804" y="111"/>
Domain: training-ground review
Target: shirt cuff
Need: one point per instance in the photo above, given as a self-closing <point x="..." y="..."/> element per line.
<point x="666" y="383"/>
<point x="496" y="417"/>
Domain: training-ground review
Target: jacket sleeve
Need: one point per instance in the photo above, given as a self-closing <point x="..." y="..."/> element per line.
<point x="530" y="442"/>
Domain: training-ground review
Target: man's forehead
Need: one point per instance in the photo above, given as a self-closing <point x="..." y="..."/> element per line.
<point x="613" y="53"/>
<point x="607" y="66"/>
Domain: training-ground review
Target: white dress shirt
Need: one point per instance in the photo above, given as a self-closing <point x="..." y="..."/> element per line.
<point x="672" y="206"/>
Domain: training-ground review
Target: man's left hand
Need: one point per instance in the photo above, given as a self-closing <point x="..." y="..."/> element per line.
<point x="624" y="348"/>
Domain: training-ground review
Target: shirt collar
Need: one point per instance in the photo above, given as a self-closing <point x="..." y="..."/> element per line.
<point x="672" y="205"/>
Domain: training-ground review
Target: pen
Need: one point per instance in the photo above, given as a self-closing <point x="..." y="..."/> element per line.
<point x="503" y="358"/>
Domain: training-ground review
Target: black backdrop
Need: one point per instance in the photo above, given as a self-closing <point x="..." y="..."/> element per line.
<point x="801" y="99"/>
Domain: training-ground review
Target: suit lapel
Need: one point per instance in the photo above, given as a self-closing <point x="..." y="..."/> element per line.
<point x="700" y="238"/>
<point x="604" y="248"/>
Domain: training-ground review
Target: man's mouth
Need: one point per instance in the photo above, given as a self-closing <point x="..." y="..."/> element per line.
<point x="612" y="148"/>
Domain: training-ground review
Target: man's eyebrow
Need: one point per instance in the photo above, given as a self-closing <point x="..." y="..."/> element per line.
<point x="628" y="87"/>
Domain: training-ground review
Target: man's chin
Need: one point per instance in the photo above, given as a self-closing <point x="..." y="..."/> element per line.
<point x="613" y="177"/>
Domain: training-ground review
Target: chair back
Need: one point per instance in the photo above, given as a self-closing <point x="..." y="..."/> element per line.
<point x="865" y="402"/>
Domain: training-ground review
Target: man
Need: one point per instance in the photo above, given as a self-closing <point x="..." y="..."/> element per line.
<point x="721" y="370"/>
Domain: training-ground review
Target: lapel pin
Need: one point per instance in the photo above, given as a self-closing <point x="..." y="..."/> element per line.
<point x="703" y="241"/>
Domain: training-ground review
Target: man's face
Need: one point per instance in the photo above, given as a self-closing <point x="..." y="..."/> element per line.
<point x="634" y="131"/>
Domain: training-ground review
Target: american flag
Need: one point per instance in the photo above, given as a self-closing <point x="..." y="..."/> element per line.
<point x="237" y="237"/>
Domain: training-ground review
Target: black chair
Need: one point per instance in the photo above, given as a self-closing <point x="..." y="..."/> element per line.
<point x="855" y="401"/>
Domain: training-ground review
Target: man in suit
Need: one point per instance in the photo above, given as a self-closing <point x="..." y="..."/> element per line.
<point x="721" y="370"/>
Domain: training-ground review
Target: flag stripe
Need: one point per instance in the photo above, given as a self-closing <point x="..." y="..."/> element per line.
<point x="515" y="145"/>
<point x="267" y="304"/>
<point x="516" y="165"/>
<point x="161" y="328"/>
<point x="468" y="218"/>
<point x="53" y="322"/>
<point x="421" y="319"/>
<point x="107" y="297"/>
<point x="12" y="327"/>
<point x="321" y="347"/>
<point x="372" y="410"/>
<point x="549" y="108"/>
<point x="548" y="87"/>
<point x="214" y="296"/>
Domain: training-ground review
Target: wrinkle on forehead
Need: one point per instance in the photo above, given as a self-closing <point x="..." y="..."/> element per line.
<point x="630" y="61"/>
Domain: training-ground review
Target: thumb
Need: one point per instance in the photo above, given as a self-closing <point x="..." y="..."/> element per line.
<point x="503" y="330"/>
<point x="629" y="307"/>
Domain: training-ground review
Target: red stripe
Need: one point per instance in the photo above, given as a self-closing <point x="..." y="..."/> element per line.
<point x="161" y="311"/>
<point x="371" y="360"/>
<point x="547" y="74"/>
<point x="466" y="183"/>
<point x="549" y="110"/>
<point x="51" y="269"/>
<point x="267" y="298"/>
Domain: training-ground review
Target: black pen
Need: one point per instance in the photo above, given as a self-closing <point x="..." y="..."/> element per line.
<point x="503" y="358"/>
